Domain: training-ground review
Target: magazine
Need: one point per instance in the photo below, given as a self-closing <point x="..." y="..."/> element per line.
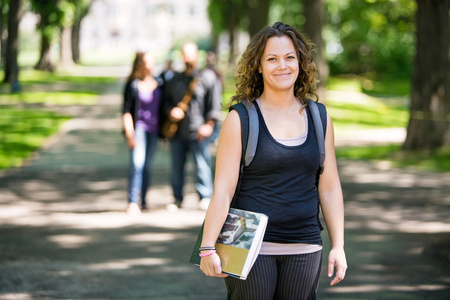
<point x="238" y="243"/>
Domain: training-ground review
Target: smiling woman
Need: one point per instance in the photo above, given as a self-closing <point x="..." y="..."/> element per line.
<point x="276" y="74"/>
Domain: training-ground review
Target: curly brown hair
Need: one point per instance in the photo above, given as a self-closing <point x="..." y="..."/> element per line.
<point x="248" y="80"/>
<point x="139" y="69"/>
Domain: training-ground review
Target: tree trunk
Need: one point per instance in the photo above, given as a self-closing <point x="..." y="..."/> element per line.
<point x="2" y="42"/>
<point x="76" y="28"/>
<point x="315" y="19"/>
<point x="45" y="62"/>
<point x="428" y="127"/>
<point x="232" y="24"/>
<point x="258" y="15"/>
<point x="66" y="47"/>
<point x="12" y="47"/>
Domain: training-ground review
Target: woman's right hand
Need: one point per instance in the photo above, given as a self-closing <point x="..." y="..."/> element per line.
<point x="212" y="266"/>
<point x="131" y="142"/>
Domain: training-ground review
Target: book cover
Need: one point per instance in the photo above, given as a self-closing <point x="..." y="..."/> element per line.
<point x="239" y="242"/>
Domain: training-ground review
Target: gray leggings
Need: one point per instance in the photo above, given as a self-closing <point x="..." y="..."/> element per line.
<point x="278" y="277"/>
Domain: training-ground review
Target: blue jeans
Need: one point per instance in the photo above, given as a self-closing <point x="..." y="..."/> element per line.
<point x="140" y="166"/>
<point x="202" y="160"/>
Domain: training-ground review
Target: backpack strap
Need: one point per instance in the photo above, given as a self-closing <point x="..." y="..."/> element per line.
<point x="249" y="138"/>
<point x="253" y="133"/>
<point x="319" y="130"/>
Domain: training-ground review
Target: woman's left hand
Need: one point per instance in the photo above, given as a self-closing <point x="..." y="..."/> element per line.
<point x="336" y="259"/>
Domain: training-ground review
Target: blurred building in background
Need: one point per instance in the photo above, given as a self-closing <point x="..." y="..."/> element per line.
<point x="149" y="25"/>
<point x="114" y="30"/>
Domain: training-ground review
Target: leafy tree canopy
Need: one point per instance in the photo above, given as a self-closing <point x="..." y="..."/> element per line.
<point x="370" y="36"/>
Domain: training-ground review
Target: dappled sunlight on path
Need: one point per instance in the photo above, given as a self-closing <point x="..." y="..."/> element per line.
<point x="64" y="233"/>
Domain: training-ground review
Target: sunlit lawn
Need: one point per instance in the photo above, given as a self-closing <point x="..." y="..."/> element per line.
<point x="57" y="98"/>
<point x="24" y="127"/>
<point x="22" y="131"/>
<point x="386" y="87"/>
<point x="30" y="77"/>
<point x="385" y="107"/>
<point x="439" y="161"/>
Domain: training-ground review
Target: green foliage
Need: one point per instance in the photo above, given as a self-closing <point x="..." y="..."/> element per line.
<point x="361" y="35"/>
<point x="219" y="12"/>
<point x="287" y="11"/>
<point x="81" y="8"/>
<point x="22" y="131"/>
<point x="370" y="36"/>
<point x="53" y="14"/>
<point x="217" y="16"/>
<point x="4" y="8"/>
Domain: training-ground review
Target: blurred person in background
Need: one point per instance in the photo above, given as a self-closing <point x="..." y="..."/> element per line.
<point x="211" y="63"/>
<point x="141" y="110"/>
<point x="196" y="124"/>
<point x="168" y="71"/>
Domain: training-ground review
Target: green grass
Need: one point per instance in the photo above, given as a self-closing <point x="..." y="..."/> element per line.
<point x="29" y="58"/>
<point x="52" y="98"/>
<point x="344" y="84"/>
<point x="30" y="77"/>
<point x="23" y="131"/>
<point x="438" y="161"/>
<point x="386" y="107"/>
<point x="361" y="116"/>
<point x="24" y="128"/>
<point x="370" y="85"/>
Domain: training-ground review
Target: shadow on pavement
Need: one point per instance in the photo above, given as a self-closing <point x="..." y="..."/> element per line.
<point x="64" y="233"/>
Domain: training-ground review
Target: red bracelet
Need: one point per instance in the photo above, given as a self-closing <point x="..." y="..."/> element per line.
<point x="207" y="254"/>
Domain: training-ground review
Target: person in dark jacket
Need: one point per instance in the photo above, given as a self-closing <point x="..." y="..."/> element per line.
<point x="141" y="110"/>
<point x="196" y="125"/>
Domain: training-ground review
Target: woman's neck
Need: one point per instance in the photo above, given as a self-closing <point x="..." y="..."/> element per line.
<point x="278" y="100"/>
<point x="148" y="83"/>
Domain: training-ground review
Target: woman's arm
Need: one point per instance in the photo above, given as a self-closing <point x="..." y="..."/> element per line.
<point x="128" y="127"/>
<point x="332" y="204"/>
<point x="228" y="158"/>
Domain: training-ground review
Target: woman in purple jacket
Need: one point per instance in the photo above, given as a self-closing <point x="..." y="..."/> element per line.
<point x="141" y="106"/>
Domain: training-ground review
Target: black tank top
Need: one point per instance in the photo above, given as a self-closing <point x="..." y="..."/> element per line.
<point x="280" y="182"/>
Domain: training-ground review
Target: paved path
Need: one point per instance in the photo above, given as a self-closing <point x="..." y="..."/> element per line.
<point x="64" y="235"/>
